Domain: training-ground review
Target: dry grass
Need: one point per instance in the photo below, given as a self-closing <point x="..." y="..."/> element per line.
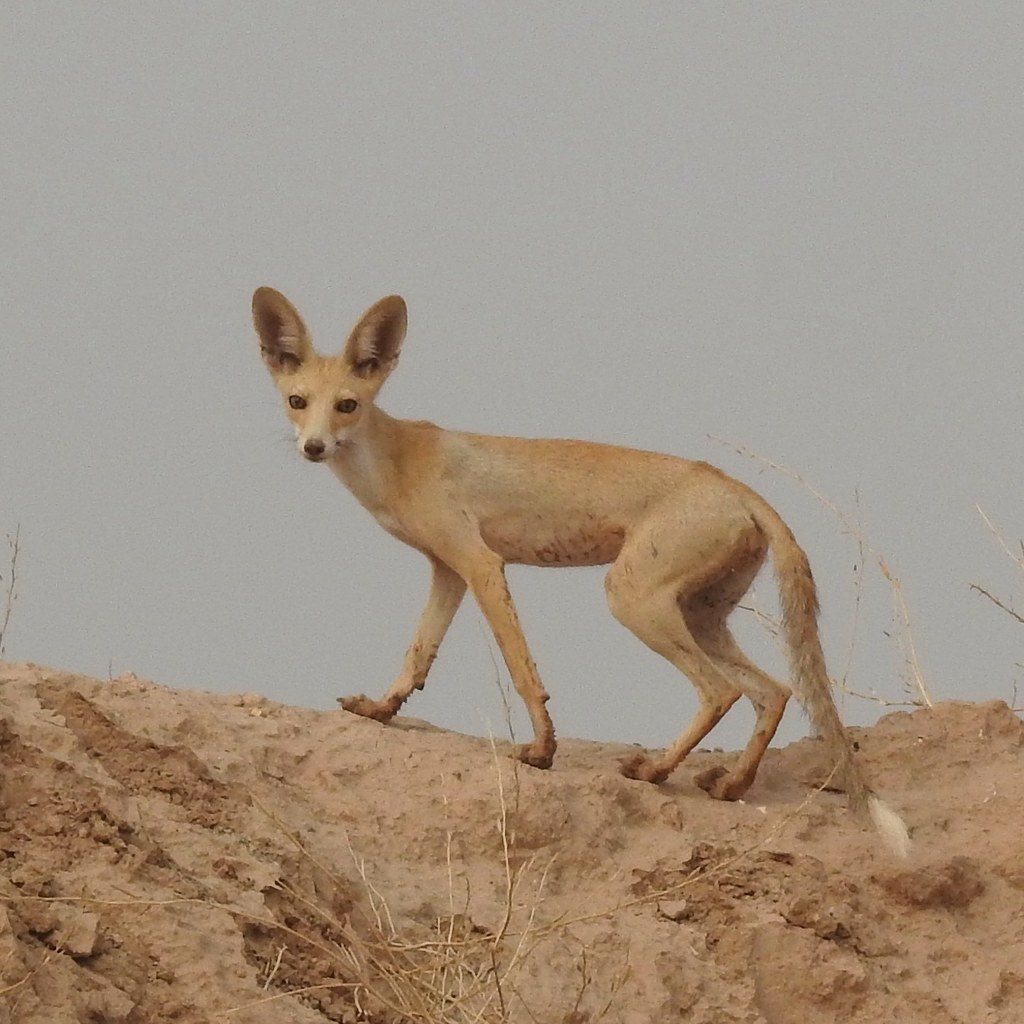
<point x="10" y="593"/>
<point x="452" y="971"/>
<point x="1015" y="555"/>
<point x="915" y="685"/>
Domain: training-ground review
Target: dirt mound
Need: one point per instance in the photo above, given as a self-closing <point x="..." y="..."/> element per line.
<point x="180" y="856"/>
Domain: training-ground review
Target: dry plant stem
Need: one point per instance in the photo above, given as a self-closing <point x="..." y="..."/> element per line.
<point x="905" y="638"/>
<point x="449" y="837"/>
<point x="510" y="878"/>
<point x="613" y="990"/>
<point x="1018" y="559"/>
<point x="389" y="961"/>
<point x="999" y="604"/>
<point x="9" y="597"/>
<point x="410" y="987"/>
<point x="505" y="851"/>
<point x="28" y="977"/>
<point x="771" y="626"/>
<point x="527" y="938"/>
<point x="273" y="970"/>
<point x="502" y="690"/>
<point x="858" y="588"/>
<point x="327" y="986"/>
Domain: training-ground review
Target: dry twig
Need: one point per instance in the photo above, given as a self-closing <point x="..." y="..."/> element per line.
<point x="11" y="594"/>
<point x="914" y="675"/>
<point x="1017" y="558"/>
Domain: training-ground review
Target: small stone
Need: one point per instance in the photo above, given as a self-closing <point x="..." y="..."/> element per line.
<point x="79" y="932"/>
<point x="675" y="910"/>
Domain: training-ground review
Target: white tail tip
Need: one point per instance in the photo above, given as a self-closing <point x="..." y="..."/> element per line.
<point x="890" y="826"/>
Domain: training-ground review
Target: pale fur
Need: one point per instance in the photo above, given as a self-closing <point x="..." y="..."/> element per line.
<point x="684" y="541"/>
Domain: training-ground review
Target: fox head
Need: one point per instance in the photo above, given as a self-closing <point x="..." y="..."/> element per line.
<point x="327" y="398"/>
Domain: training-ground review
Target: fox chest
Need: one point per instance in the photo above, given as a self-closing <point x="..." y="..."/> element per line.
<point x="389" y="522"/>
<point x="388" y="519"/>
<point x="371" y="491"/>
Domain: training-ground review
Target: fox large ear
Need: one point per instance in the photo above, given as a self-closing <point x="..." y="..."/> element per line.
<point x="284" y="341"/>
<point x="373" y="346"/>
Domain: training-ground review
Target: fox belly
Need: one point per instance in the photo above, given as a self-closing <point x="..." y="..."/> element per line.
<point x="524" y="542"/>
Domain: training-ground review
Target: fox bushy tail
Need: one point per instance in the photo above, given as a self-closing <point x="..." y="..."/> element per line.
<point x="798" y="598"/>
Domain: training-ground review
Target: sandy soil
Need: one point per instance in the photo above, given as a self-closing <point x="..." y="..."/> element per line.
<point x="181" y="856"/>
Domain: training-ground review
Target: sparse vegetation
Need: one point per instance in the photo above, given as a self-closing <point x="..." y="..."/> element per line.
<point x="458" y="971"/>
<point x="916" y="688"/>
<point x="347" y="873"/>
<point x="9" y="582"/>
<point x="1015" y="555"/>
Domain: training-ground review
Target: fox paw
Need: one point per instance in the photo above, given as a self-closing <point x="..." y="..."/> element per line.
<point x="642" y="768"/>
<point x="536" y="759"/>
<point x="719" y="784"/>
<point x="367" y="707"/>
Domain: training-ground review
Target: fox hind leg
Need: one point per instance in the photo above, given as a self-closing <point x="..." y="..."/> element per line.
<point x="675" y="595"/>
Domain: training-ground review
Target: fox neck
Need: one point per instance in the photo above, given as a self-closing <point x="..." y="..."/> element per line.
<point x="366" y="464"/>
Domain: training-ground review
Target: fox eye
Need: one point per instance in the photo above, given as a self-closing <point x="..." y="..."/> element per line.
<point x="346" y="405"/>
<point x="297" y="401"/>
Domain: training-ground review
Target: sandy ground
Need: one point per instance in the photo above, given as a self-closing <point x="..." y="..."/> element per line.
<point x="171" y="855"/>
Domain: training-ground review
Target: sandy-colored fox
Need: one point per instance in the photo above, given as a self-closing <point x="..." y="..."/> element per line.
<point x="684" y="541"/>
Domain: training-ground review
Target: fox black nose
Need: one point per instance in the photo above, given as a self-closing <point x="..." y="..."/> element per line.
<point x="314" y="449"/>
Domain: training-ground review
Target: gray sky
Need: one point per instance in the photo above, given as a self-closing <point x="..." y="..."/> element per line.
<point x="793" y="226"/>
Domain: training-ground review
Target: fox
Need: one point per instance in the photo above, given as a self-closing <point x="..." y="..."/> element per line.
<point x="684" y="542"/>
